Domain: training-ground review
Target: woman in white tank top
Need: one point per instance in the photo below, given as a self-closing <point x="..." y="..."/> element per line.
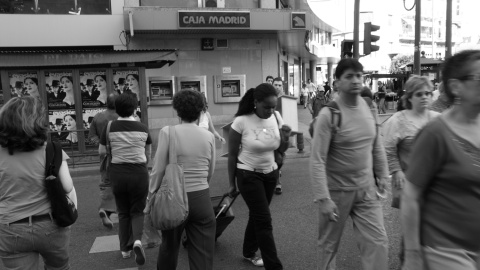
<point x="205" y="121"/>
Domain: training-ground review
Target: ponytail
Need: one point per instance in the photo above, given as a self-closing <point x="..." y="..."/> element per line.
<point x="246" y="105"/>
<point x="260" y="93"/>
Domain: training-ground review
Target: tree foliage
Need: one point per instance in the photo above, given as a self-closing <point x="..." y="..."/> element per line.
<point x="399" y="61"/>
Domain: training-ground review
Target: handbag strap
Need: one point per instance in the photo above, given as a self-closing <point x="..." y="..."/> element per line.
<point x="278" y="123"/>
<point x="172" y="148"/>
<point x="108" y="146"/>
<point x="53" y="158"/>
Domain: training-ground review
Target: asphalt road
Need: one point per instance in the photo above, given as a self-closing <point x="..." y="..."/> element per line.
<point x="294" y="221"/>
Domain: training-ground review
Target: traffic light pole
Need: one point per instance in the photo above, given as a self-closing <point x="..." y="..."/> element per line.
<point x="418" y="29"/>
<point x="448" y="32"/>
<point x="356" y="30"/>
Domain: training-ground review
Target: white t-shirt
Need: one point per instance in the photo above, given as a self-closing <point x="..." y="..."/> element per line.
<point x="203" y="123"/>
<point x="260" y="137"/>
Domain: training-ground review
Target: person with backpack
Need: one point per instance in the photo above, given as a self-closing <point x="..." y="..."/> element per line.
<point x="349" y="172"/>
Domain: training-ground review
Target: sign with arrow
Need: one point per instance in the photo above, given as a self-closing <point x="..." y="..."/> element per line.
<point x="298" y="20"/>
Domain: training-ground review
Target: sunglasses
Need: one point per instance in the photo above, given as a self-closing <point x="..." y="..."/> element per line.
<point x="423" y="93"/>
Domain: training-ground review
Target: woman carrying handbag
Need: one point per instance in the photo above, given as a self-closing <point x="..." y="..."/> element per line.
<point x="195" y="151"/>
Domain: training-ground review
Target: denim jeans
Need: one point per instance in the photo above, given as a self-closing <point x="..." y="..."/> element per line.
<point x="257" y="191"/>
<point x="21" y="244"/>
<point x="200" y="228"/>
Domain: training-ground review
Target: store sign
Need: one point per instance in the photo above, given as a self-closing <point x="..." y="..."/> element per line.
<point x="216" y="19"/>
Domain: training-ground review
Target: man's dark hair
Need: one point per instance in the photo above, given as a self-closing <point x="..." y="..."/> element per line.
<point x="278" y="79"/>
<point x="346" y="64"/>
<point x="269" y="77"/>
<point x="126" y="104"/>
<point x="188" y="104"/>
<point x="111" y="101"/>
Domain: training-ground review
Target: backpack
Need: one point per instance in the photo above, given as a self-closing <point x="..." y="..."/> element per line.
<point x="318" y="103"/>
<point x="168" y="206"/>
<point x="336" y="119"/>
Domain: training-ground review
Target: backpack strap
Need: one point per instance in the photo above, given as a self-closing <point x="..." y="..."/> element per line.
<point x="108" y="146"/>
<point x="336" y="120"/>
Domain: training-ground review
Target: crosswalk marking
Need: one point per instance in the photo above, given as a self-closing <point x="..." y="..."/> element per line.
<point x="105" y="244"/>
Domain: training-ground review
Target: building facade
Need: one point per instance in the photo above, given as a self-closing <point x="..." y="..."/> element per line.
<point x="76" y="54"/>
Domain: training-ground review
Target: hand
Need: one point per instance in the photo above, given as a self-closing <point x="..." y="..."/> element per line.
<point x="232" y="191"/>
<point x="398" y="179"/>
<point x="328" y="209"/>
<point x="222" y="140"/>
<point x="413" y="260"/>
<point x="381" y="184"/>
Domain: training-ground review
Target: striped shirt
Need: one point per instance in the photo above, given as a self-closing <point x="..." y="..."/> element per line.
<point x="128" y="140"/>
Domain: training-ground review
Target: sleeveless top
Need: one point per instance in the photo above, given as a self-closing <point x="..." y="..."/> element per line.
<point x="203" y="123"/>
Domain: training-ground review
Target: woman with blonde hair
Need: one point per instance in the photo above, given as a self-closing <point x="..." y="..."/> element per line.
<point x="399" y="131"/>
<point x="26" y="224"/>
<point x="441" y="197"/>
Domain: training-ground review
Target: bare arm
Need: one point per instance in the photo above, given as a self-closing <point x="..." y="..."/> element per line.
<point x="93" y="134"/>
<point x="211" y="167"/>
<point x="211" y="128"/>
<point x="148" y="152"/>
<point x="65" y="177"/>
<point x="234" y="141"/>
<point x="102" y="150"/>
<point x="410" y="215"/>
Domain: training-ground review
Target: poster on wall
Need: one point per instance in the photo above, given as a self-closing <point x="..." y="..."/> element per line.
<point x="128" y="80"/>
<point x="93" y="85"/>
<point x="63" y="124"/>
<point x="61" y="95"/>
<point x="24" y="84"/>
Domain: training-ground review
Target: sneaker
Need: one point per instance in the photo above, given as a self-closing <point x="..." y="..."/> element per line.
<point x="126" y="254"/>
<point x="139" y="252"/>
<point x="278" y="189"/>
<point x="105" y="220"/>
<point x="256" y="260"/>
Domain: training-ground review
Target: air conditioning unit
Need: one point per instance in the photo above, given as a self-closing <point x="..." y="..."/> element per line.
<point x="222" y="43"/>
<point x="214" y="3"/>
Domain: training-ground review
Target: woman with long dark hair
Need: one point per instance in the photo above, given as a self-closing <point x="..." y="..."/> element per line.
<point x="253" y="169"/>
<point x="27" y="229"/>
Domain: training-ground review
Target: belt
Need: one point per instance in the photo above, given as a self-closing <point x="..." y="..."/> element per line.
<point x="248" y="168"/>
<point x="33" y="219"/>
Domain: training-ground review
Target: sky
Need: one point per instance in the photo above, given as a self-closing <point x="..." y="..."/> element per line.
<point x="334" y="12"/>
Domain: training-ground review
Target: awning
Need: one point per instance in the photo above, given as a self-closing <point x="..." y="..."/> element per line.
<point x="426" y="61"/>
<point x="75" y="58"/>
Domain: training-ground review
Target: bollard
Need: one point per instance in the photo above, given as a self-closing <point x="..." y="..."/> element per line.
<point x="300" y="142"/>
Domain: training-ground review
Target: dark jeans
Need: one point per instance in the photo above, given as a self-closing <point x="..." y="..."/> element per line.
<point x="200" y="228"/>
<point x="257" y="191"/>
<point x="130" y="188"/>
<point x="22" y="244"/>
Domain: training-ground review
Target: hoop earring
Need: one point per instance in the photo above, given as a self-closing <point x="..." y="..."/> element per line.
<point x="254" y="107"/>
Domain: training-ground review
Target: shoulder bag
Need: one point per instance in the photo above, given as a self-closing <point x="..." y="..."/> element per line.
<point x="279" y="153"/>
<point x="64" y="211"/>
<point x="169" y="204"/>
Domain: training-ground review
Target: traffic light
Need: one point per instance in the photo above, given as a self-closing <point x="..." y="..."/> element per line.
<point x="347" y="49"/>
<point x="368" y="38"/>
